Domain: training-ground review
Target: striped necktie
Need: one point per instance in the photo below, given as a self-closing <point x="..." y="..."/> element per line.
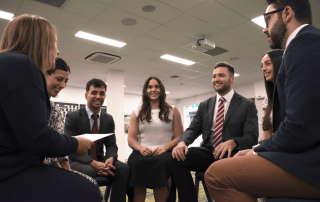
<point x="217" y="138"/>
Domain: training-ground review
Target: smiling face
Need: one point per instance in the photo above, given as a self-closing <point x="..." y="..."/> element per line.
<point x="222" y="81"/>
<point x="153" y="89"/>
<point x="276" y="29"/>
<point x="95" y="97"/>
<point x="267" y="68"/>
<point x="56" y="82"/>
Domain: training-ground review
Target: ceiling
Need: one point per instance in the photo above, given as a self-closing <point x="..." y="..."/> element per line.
<point x="171" y="29"/>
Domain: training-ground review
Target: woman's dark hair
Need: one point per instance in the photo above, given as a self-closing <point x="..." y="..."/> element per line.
<point x="302" y="8"/>
<point x="145" y="111"/>
<point x="60" y="64"/>
<point x="276" y="59"/>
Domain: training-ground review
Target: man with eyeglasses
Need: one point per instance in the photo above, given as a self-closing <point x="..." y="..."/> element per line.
<point x="287" y="164"/>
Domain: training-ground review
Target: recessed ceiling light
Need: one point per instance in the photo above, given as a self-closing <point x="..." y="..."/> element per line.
<point x="259" y="21"/>
<point x="176" y="59"/>
<point x="124" y="86"/>
<point x="6" y="15"/>
<point x="167" y="92"/>
<point x="235" y="75"/>
<point x="100" y="39"/>
<point x="128" y="21"/>
<point x="149" y="8"/>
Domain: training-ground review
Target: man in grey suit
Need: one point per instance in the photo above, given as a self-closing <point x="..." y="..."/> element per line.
<point x="228" y="123"/>
<point x="91" y="119"/>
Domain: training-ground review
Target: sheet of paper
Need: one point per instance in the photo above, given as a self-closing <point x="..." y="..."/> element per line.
<point x="94" y="137"/>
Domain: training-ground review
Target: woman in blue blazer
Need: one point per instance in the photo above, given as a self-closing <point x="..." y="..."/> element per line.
<point x="28" y="48"/>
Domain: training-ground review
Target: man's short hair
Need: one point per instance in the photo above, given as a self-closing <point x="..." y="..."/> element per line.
<point x="227" y="65"/>
<point x="302" y="8"/>
<point x="97" y="83"/>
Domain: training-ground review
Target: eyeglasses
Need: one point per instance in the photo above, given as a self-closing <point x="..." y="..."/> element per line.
<point x="267" y="19"/>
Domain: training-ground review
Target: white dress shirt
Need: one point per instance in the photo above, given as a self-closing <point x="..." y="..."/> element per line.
<point x="89" y="112"/>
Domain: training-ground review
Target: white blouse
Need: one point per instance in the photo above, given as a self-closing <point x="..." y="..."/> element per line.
<point x="157" y="132"/>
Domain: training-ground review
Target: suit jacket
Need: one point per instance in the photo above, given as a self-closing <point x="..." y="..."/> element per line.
<point x="78" y="123"/>
<point x="25" y="137"/>
<point x="295" y="145"/>
<point x="240" y="124"/>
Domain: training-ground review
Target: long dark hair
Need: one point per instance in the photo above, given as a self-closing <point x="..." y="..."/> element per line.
<point x="145" y="110"/>
<point x="276" y="59"/>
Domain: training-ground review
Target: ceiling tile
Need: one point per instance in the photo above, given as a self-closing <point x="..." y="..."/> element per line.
<point x="200" y="68"/>
<point x="75" y="47"/>
<point x="162" y="14"/>
<point x="193" y="26"/>
<point x="184" y="5"/>
<point x="98" y="68"/>
<point x="315" y="6"/>
<point x="248" y="31"/>
<point x="206" y="77"/>
<point x="68" y="55"/>
<point x="225" y="57"/>
<point x="171" y="36"/>
<point x="133" y="50"/>
<point x="184" y="72"/>
<point x="110" y="31"/>
<point x="54" y="15"/>
<point x="247" y="8"/>
<point x="217" y="15"/>
<point x="188" y="54"/>
<point x="154" y="44"/>
<point x="10" y="6"/>
<point x="159" y="66"/>
<point x="87" y="8"/>
<point x="75" y="64"/>
<point x="113" y="16"/>
<point x="106" y="1"/>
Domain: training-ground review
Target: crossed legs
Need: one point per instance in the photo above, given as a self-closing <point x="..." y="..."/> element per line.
<point x="247" y="178"/>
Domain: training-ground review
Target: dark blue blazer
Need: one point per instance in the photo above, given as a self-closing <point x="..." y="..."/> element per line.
<point x="295" y="145"/>
<point x="25" y="136"/>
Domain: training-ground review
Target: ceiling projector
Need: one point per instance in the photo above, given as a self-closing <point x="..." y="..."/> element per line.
<point x="203" y="45"/>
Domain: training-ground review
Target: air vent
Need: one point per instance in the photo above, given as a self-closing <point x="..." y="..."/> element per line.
<point x="55" y="3"/>
<point x="216" y="51"/>
<point x="102" y="58"/>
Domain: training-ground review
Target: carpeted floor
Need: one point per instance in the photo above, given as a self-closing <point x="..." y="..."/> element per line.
<point x="149" y="197"/>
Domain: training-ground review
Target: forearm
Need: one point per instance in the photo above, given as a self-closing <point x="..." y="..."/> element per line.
<point x="133" y="144"/>
<point x="172" y="144"/>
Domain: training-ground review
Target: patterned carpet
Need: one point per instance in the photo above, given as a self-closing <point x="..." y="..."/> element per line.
<point x="149" y="197"/>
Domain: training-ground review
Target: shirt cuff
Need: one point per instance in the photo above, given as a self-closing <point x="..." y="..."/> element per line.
<point x="255" y="147"/>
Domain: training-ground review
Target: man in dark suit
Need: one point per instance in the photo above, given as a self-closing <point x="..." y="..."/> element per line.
<point x="287" y="164"/>
<point x="228" y="123"/>
<point x="91" y="119"/>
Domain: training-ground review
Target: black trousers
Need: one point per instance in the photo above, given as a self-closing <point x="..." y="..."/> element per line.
<point x="196" y="160"/>
<point x="120" y="180"/>
<point x="50" y="184"/>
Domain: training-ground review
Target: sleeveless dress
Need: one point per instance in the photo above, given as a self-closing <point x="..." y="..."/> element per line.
<point x="152" y="171"/>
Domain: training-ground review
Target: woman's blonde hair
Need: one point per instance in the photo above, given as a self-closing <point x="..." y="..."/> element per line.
<point x="31" y="35"/>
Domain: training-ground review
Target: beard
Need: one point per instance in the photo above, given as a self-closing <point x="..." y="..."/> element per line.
<point x="224" y="89"/>
<point x="277" y="34"/>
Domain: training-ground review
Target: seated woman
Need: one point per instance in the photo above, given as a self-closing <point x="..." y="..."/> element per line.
<point x="150" y="134"/>
<point x="270" y="65"/>
<point x="57" y="80"/>
<point x="28" y="49"/>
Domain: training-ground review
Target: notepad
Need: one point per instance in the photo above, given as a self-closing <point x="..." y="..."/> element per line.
<point x="94" y="137"/>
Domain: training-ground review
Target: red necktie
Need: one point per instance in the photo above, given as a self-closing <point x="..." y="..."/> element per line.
<point x="217" y="138"/>
<point x="95" y="130"/>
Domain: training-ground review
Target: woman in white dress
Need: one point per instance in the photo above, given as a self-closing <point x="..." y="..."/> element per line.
<point x="155" y="128"/>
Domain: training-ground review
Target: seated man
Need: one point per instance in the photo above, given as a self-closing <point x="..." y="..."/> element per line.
<point x="228" y="123"/>
<point x="92" y="120"/>
<point x="287" y="164"/>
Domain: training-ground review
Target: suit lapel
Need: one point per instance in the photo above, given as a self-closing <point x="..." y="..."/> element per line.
<point x="212" y="105"/>
<point x="103" y="123"/>
<point x="235" y="101"/>
<point x="85" y="120"/>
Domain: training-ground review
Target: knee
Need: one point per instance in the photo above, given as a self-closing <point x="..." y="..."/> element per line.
<point x="213" y="176"/>
<point x="123" y="169"/>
